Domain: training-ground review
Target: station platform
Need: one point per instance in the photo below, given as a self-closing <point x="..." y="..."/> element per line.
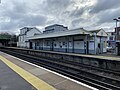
<point x="17" y="74"/>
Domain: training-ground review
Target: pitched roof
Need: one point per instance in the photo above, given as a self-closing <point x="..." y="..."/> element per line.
<point x="29" y="29"/>
<point x="60" y="33"/>
<point x="96" y="31"/>
<point x="33" y="28"/>
<point x="54" y="26"/>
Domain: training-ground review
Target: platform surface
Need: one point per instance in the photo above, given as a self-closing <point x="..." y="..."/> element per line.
<point x="9" y="80"/>
<point x="27" y="76"/>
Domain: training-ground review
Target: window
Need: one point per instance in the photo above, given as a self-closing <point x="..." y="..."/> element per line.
<point x="47" y="43"/>
<point x="110" y="38"/>
<point x="101" y="33"/>
<point x="60" y="44"/>
<point x="119" y="32"/>
<point x="63" y="43"/>
<point x="55" y="45"/>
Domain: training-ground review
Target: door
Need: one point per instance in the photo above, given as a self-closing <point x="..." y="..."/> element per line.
<point x="30" y="45"/>
<point x="87" y="48"/>
<point x="118" y="48"/>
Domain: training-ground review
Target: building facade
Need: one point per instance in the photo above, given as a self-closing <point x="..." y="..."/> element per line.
<point x="55" y="28"/>
<point x="73" y="41"/>
<point x="100" y="40"/>
<point x="117" y="40"/>
<point x="111" y="39"/>
<point x="24" y="34"/>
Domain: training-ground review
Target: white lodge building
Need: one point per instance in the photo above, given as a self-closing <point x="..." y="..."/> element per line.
<point x="59" y="38"/>
<point x="24" y="34"/>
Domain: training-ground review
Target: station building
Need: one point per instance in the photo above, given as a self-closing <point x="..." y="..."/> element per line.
<point x="111" y="39"/>
<point x="59" y="38"/>
<point x="26" y="32"/>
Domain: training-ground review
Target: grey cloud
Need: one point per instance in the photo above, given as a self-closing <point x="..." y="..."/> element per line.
<point x="108" y="16"/>
<point x="8" y="25"/>
<point x="20" y="7"/>
<point x="18" y="11"/>
<point x="102" y="5"/>
<point x="33" y="20"/>
<point x="59" y="9"/>
<point x="25" y="20"/>
<point x="76" y="22"/>
<point x="20" y="17"/>
<point x="77" y="12"/>
<point x="47" y="12"/>
<point x="56" y="7"/>
<point x="57" y="3"/>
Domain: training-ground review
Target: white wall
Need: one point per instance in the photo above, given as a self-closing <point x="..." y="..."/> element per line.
<point x="33" y="44"/>
<point x="91" y="43"/>
<point x="32" y="32"/>
<point x="70" y="42"/>
<point x="27" y="44"/>
<point x="23" y="41"/>
<point x="78" y="44"/>
<point x="102" y="33"/>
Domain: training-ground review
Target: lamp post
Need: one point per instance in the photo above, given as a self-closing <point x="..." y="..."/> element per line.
<point x="119" y="20"/>
<point x="116" y="48"/>
<point x="116" y="20"/>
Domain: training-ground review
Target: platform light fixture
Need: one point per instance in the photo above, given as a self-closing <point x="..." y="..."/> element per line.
<point x="118" y="17"/>
<point x="116" y="21"/>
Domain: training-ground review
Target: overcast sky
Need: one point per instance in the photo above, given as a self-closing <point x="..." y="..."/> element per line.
<point x="89" y="14"/>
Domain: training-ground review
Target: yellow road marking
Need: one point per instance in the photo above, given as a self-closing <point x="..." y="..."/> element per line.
<point x="33" y="80"/>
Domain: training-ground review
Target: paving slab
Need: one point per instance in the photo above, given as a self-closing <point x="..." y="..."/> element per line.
<point x="52" y="78"/>
<point x="37" y="71"/>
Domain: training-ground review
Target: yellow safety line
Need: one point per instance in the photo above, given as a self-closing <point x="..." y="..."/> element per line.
<point x="33" y="80"/>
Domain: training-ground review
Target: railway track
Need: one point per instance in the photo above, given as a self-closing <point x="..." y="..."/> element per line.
<point x="75" y="71"/>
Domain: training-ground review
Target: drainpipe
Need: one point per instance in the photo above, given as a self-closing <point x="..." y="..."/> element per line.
<point x="86" y="45"/>
<point x="73" y="44"/>
<point x="94" y="43"/>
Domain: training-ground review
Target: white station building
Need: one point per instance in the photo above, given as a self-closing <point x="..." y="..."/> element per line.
<point x="59" y="38"/>
<point x="24" y="34"/>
